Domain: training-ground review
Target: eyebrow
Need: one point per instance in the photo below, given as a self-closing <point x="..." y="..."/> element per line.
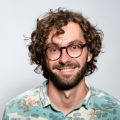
<point x="71" y="42"/>
<point x="75" y="41"/>
<point x="51" y="44"/>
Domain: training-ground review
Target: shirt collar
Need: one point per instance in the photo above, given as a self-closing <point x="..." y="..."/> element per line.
<point x="45" y="101"/>
<point x="88" y="96"/>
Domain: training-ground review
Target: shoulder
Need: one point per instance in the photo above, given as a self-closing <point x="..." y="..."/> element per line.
<point x="29" y="97"/>
<point x="23" y="103"/>
<point x="28" y="105"/>
<point x="102" y="94"/>
<point x="105" y="104"/>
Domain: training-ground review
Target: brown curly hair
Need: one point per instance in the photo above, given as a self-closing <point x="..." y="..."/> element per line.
<point x="55" y="20"/>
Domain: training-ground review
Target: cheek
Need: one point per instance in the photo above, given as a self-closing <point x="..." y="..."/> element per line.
<point x="81" y="60"/>
<point x="50" y="64"/>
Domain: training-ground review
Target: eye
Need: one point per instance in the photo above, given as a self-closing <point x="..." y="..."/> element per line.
<point x="53" y="50"/>
<point x="74" y="47"/>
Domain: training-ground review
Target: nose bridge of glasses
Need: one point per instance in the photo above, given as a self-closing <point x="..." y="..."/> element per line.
<point x="63" y="48"/>
<point x="63" y="57"/>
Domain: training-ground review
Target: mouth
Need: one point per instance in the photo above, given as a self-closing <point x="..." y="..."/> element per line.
<point x="66" y="70"/>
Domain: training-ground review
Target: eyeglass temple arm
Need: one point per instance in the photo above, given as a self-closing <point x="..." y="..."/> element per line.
<point x="83" y="45"/>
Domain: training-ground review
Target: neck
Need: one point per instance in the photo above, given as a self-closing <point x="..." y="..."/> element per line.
<point x="66" y="100"/>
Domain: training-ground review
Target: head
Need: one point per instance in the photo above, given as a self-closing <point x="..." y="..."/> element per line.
<point x="63" y="28"/>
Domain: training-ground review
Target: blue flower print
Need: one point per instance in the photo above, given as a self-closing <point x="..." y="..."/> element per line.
<point x="104" y="115"/>
<point x="76" y="114"/>
<point x="114" y="111"/>
<point x="54" y="117"/>
<point x="35" y="115"/>
<point x="76" y="118"/>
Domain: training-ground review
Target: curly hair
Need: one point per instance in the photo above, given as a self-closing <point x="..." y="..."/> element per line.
<point x="55" y="20"/>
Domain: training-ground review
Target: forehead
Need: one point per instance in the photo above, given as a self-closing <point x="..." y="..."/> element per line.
<point x="72" y="33"/>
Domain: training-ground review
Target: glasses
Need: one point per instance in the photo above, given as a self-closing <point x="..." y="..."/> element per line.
<point x="73" y="50"/>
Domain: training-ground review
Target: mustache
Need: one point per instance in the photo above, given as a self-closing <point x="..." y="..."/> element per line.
<point x="66" y="65"/>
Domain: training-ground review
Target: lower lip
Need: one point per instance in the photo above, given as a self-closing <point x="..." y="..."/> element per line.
<point x="66" y="72"/>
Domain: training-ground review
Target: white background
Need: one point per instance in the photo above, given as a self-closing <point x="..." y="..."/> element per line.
<point x="17" y="18"/>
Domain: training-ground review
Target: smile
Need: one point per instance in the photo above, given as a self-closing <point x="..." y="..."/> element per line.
<point x="65" y="70"/>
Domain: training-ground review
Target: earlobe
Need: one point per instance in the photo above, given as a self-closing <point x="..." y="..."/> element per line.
<point x="89" y="57"/>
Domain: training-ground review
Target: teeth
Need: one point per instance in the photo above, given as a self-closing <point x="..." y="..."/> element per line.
<point x="66" y="69"/>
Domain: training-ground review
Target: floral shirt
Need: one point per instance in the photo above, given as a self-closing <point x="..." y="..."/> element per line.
<point x="35" y="105"/>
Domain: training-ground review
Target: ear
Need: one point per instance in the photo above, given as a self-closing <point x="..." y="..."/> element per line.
<point x="89" y="56"/>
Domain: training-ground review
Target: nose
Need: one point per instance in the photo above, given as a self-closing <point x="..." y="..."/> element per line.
<point x="64" y="58"/>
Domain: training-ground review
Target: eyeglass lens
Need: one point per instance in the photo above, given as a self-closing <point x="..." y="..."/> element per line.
<point x="54" y="52"/>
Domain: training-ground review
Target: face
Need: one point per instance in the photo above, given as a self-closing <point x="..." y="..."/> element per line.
<point x="66" y="72"/>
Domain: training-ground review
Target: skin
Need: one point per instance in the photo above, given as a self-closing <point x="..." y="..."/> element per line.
<point x="66" y="100"/>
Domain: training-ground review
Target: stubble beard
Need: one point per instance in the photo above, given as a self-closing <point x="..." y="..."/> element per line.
<point x="66" y="82"/>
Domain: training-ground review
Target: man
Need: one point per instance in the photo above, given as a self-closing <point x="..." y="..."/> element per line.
<point x="65" y="46"/>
